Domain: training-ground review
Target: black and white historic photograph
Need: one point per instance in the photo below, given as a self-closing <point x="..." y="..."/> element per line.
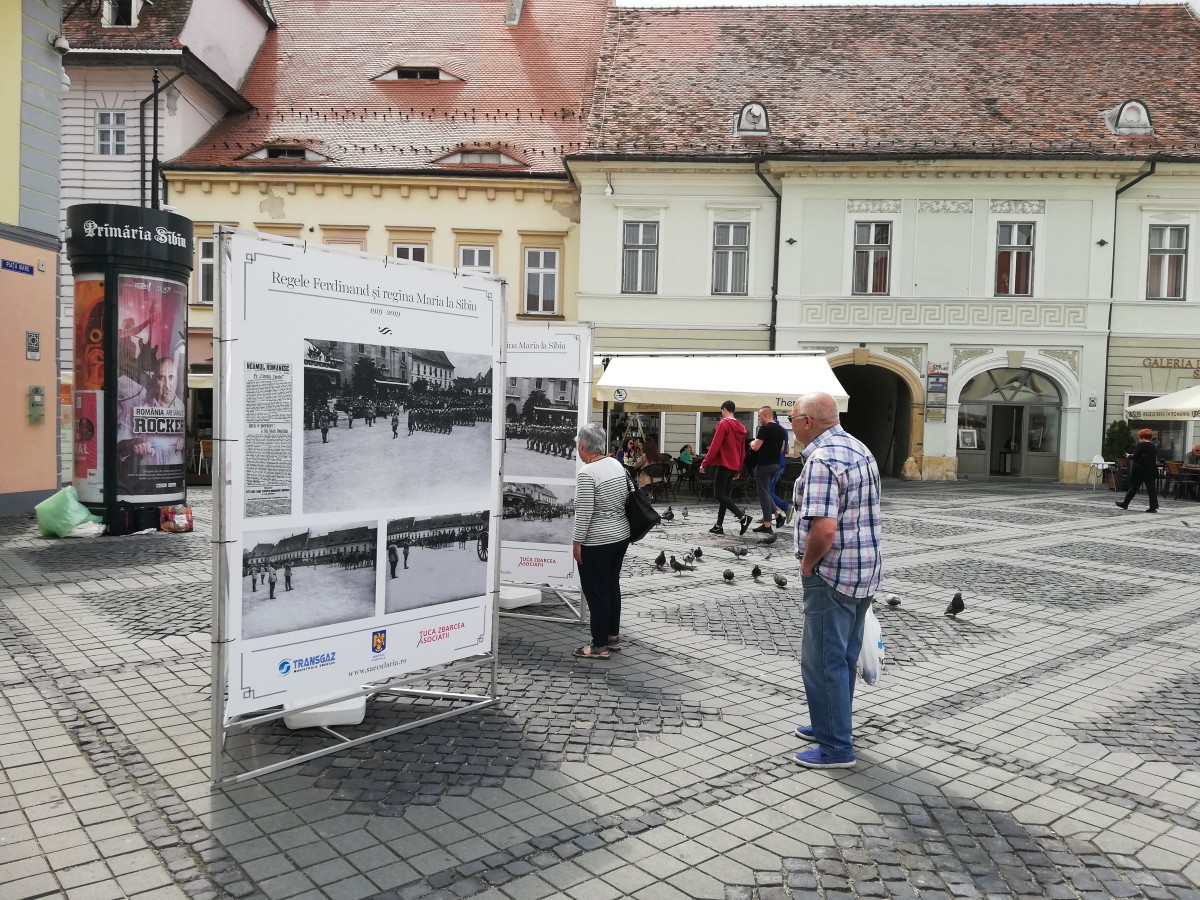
<point x="435" y="559"/>
<point x="297" y="578"/>
<point x="541" y="419"/>
<point x="538" y="513"/>
<point x="385" y="426"/>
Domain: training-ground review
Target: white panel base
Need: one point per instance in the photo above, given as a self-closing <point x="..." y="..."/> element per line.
<point x="344" y="712"/>
<point x="512" y="597"/>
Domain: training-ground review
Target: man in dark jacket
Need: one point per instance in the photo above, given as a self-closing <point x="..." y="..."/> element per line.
<point x="1143" y="469"/>
<point x="725" y="457"/>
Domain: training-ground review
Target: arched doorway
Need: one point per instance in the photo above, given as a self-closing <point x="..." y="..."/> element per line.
<point x="879" y="413"/>
<point x="1009" y="424"/>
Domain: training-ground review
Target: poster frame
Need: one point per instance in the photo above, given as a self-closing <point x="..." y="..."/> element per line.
<point x="219" y="728"/>
<point x="571" y="596"/>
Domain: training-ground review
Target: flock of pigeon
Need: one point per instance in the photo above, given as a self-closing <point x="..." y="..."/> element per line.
<point x="696" y="554"/>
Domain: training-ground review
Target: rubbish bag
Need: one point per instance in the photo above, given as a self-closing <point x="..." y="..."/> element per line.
<point x="86" y="530"/>
<point x="59" y="513"/>
<point x="870" y="658"/>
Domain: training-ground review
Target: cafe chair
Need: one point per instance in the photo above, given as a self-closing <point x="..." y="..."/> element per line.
<point x="661" y="473"/>
<point x="1099" y="467"/>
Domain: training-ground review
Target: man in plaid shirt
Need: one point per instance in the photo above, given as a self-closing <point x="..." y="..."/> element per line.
<point x="838" y="535"/>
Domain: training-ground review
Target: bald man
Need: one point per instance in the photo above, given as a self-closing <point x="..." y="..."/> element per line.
<point x="838" y="537"/>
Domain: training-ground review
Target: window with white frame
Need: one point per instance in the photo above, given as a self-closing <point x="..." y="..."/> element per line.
<point x="110" y="133"/>
<point x="206" y="260"/>
<point x="731" y="257"/>
<point x="411" y="252"/>
<point x="477" y="259"/>
<point x="120" y="13"/>
<point x="1166" y="265"/>
<point x="541" y="281"/>
<point x="872" y="257"/>
<point x="1014" y="259"/>
<point x="639" y="266"/>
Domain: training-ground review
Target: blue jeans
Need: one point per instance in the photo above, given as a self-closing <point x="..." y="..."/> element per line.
<point x="780" y="503"/>
<point x="833" y="635"/>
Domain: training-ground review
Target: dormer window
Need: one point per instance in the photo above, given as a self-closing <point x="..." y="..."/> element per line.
<point x="121" y="13"/>
<point x="1131" y="117"/>
<point x="417" y="73"/>
<point x="288" y="152"/>
<point x="752" y="120"/>
<point x="479" y="158"/>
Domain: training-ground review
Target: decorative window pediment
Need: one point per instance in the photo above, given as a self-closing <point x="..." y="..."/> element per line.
<point x="1131" y="117"/>
<point x="417" y="72"/>
<point x="752" y="120"/>
<point x="479" y="156"/>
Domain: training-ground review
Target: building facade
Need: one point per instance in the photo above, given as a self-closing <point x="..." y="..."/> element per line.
<point x="992" y="277"/>
<point x="30" y="97"/>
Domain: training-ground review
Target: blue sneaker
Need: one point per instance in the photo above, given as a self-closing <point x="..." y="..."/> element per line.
<point x="816" y="759"/>
<point x="805" y="733"/>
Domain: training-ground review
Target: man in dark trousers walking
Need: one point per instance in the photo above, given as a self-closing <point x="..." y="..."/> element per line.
<point x="725" y="456"/>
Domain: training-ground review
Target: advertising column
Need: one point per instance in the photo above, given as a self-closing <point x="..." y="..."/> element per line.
<point x="132" y="267"/>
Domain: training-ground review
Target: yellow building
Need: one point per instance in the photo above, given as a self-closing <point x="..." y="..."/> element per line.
<point x="452" y="155"/>
<point x="31" y="83"/>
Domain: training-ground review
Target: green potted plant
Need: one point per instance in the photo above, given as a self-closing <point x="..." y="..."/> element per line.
<point x="1118" y="440"/>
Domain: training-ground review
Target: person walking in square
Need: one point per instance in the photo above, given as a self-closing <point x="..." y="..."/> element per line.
<point x="395" y="425"/>
<point x="254" y="579"/>
<point x="272" y="579"/>
<point x="1143" y="469"/>
<point x="600" y="539"/>
<point x="838" y="537"/>
<point x="393" y="558"/>
<point x="287" y="577"/>
<point x="768" y="444"/>
<point x="404" y="547"/>
<point x="725" y="457"/>
<point x="323" y="421"/>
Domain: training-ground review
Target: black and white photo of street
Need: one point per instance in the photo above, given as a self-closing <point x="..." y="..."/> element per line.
<point x="541" y="419"/>
<point x="389" y="426"/>
<point x="538" y="513"/>
<point x="435" y="559"/>
<point x="294" y="578"/>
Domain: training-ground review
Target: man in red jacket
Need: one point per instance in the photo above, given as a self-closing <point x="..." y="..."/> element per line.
<point x="725" y="456"/>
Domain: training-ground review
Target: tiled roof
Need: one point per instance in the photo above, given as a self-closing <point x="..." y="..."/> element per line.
<point x="158" y="28"/>
<point x="437" y="357"/>
<point x="523" y="91"/>
<point x="897" y="81"/>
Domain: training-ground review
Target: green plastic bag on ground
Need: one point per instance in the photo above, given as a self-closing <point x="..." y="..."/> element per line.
<point x="59" y="513"/>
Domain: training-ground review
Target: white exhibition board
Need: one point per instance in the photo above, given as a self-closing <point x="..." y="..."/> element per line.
<point x="361" y="455"/>
<point x="547" y="398"/>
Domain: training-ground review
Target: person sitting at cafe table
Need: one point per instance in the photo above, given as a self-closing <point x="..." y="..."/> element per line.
<point x="685" y="455"/>
<point x="649" y="458"/>
<point x="1193" y="456"/>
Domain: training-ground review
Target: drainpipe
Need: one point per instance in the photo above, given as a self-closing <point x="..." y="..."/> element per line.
<point x="1112" y="286"/>
<point x="775" y="255"/>
<point x="142" y="131"/>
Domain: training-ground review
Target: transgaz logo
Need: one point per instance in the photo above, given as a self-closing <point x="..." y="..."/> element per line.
<point x="304" y="663"/>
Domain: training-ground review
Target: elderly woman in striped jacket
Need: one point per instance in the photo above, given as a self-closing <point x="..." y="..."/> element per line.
<point x="601" y="539"/>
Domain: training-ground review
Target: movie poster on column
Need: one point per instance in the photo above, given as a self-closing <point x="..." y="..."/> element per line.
<point x="151" y="378"/>
<point x="546" y="397"/>
<point x="88" y="394"/>
<point x="363" y="472"/>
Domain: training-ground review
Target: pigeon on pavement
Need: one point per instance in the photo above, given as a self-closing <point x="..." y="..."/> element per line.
<point x="680" y="568"/>
<point x="756" y="572"/>
<point x="956" y="606"/>
<point x="770" y="539"/>
<point x="669" y="514"/>
<point x="893" y="601"/>
<point x="739" y="552"/>
<point x="697" y="552"/>
<point x="727" y="574"/>
<point x="661" y="559"/>
<point x="780" y="580"/>
<point x="685" y="512"/>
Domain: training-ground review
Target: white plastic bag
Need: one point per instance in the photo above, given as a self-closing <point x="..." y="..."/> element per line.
<point x="870" y="658"/>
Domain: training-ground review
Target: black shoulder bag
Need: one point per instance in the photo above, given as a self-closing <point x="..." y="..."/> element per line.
<point x="640" y="512"/>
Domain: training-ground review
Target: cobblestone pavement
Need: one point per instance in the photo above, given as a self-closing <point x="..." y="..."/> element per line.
<point x="1047" y="745"/>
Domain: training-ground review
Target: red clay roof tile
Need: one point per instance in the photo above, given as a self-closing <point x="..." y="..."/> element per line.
<point x="523" y="91"/>
<point x="898" y="81"/>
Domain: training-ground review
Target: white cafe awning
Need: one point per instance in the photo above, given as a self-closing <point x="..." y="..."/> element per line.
<point x="1183" y="404"/>
<point x="200" y="381"/>
<point x="686" y="383"/>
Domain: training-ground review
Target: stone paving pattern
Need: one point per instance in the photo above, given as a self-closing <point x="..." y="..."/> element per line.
<point x="1047" y="745"/>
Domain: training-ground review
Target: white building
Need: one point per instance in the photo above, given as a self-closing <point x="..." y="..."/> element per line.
<point x="202" y="51"/>
<point x="992" y="254"/>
